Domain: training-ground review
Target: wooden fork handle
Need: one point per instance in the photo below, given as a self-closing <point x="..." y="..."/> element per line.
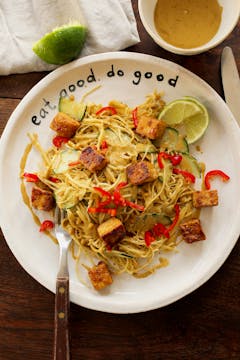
<point x="61" y="332"/>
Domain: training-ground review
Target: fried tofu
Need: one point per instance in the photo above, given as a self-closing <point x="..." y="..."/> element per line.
<point x="100" y="276"/>
<point x="92" y="159"/>
<point x="150" y="127"/>
<point x="205" y="198"/>
<point x="64" y="125"/>
<point x="141" y="172"/>
<point x="111" y="231"/>
<point x="192" y="231"/>
<point x="42" y="199"/>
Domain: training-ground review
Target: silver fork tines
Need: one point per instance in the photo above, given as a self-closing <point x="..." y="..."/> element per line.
<point x="64" y="240"/>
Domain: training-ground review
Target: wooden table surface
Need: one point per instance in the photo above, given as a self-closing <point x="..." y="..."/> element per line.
<point x="202" y="325"/>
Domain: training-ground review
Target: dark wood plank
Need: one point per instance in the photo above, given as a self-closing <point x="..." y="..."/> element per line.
<point x="7" y="106"/>
<point x="17" y="86"/>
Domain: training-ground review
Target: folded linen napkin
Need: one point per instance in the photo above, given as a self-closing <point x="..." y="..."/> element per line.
<point x="111" y="26"/>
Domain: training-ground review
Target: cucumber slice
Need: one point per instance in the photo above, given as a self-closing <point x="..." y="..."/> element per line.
<point x="147" y="221"/>
<point x="72" y="108"/>
<point x="172" y="141"/>
<point x="146" y="148"/>
<point x="113" y="139"/>
<point x="69" y="203"/>
<point x="190" y="164"/>
<point x="62" y="159"/>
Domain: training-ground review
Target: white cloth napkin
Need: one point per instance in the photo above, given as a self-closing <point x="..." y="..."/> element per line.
<point x="111" y="26"/>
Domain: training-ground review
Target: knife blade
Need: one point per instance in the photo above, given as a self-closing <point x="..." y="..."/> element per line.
<point x="231" y="82"/>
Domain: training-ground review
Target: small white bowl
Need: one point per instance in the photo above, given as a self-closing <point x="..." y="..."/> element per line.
<point x="230" y="16"/>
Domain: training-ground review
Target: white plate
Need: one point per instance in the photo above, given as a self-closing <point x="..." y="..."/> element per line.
<point x="128" y="77"/>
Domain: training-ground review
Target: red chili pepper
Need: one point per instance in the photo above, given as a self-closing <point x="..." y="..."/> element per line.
<point x="53" y="179"/>
<point x="46" y="225"/>
<point x="175" y="158"/>
<point x="176" y="218"/>
<point x="59" y="140"/>
<point x="188" y="176"/>
<point x="105" y="194"/>
<point x="29" y="177"/>
<point x="95" y="210"/>
<point x="214" y="173"/>
<point x="149" y="238"/>
<point x="135" y="117"/>
<point x="107" y="108"/>
<point x="74" y="163"/>
<point x="159" y="229"/>
<point x="117" y="197"/>
<point x="104" y="145"/>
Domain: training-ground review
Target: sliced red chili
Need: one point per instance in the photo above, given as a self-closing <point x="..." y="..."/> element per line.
<point x="46" y="225"/>
<point x="95" y="210"/>
<point x="135" y="117"/>
<point x="149" y="238"/>
<point x="74" y="163"/>
<point x="107" y="108"/>
<point x="175" y="158"/>
<point x="30" y="177"/>
<point x="188" y="176"/>
<point x="53" y="179"/>
<point x="104" y="145"/>
<point x="59" y="140"/>
<point x="212" y="174"/>
<point x="160" y="229"/>
<point x="104" y="193"/>
<point x="176" y="218"/>
<point x="117" y="197"/>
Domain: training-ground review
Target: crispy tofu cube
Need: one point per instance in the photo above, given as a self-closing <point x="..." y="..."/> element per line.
<point x="111" y="231"/>
<point x="42" y="199"/>
<point x="192" y="231"/>
<point x="141" y="172"/>
<point x="64" y="125"/>
<point x="152" y="128"/>
<point x="205" y="198"/>
<point x="100" y="276"/>
<point x="92" y="159"/>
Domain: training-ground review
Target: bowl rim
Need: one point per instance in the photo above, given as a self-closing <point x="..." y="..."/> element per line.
<point x="181" y="51"/>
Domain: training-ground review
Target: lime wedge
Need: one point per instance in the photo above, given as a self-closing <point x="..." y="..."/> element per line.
<point x="178" y="110"/>
<point x="195" y="126"/>
<point x="61" y="45"/>
<point x="188" y="115"/>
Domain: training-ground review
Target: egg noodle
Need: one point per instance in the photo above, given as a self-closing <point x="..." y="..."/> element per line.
<point x="75" y="191"/>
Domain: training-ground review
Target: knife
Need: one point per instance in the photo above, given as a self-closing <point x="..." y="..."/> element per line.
<point x="231" y="82"/>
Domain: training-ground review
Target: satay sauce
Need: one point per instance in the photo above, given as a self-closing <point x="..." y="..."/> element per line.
<point x="187" y="23"/>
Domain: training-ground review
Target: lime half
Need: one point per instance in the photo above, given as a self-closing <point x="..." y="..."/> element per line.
<point x="61" y="45"/>
<point x="188" y="115"/>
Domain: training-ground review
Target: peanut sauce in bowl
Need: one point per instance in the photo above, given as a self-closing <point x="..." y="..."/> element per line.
<point x="189" y="27"/>
<point x="187" y="23"/>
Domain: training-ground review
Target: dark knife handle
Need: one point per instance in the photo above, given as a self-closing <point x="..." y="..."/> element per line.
<point x="61" y="330"/>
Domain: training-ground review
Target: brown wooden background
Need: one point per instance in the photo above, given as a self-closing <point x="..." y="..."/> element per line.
<point x="203" y="325"/>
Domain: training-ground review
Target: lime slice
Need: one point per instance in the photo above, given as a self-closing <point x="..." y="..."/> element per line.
<point x="188" y="115"/>
<point x="178" y="110"/>
<point x="61" y="45"/>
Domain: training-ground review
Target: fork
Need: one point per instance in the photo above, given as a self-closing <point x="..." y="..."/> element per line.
<point x="61" y="319"/>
